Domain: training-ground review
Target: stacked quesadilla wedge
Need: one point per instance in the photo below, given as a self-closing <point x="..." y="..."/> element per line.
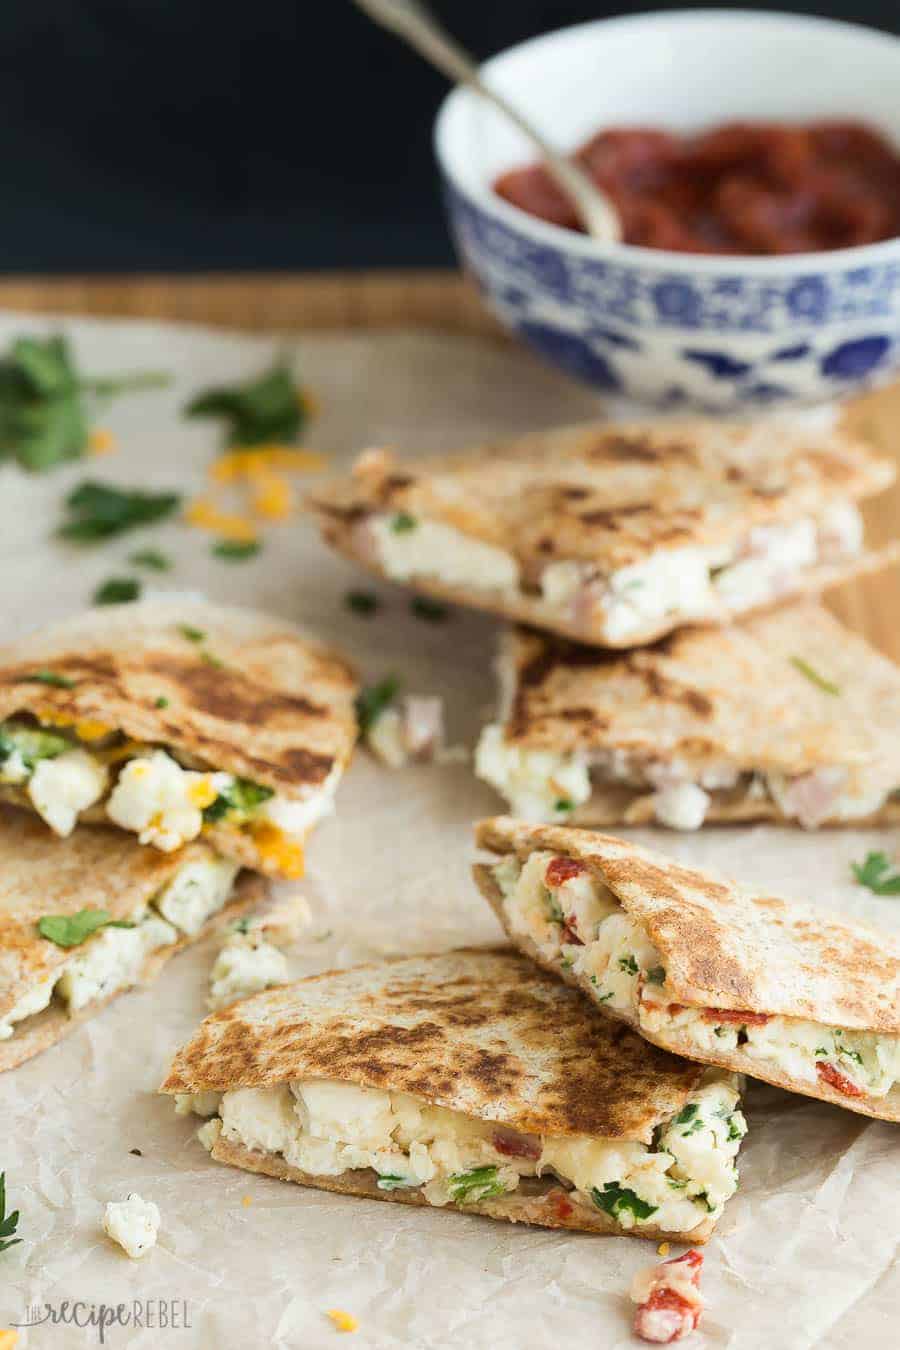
<point x="615" y="535"/>
<point x="468" y="1080"/>
<point x="786" y="717"/>
<point x="84" y="918"/>
<point x="175" y="720"/>
<point x="702" y="966"/>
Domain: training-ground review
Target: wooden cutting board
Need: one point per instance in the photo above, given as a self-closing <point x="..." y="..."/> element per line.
<point x="434" y="299"/>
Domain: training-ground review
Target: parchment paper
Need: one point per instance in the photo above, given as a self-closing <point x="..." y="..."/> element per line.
<point x="805" y="1253"/>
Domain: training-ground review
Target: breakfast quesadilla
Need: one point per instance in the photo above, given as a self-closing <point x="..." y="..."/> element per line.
<point x="469" y="1080"/>
<point x="786" y="717"/>
<point x="615" y="535"/>
<point x="174" y="720"/>
<point x="87" y="917"/>
<point x="703" y="967"/>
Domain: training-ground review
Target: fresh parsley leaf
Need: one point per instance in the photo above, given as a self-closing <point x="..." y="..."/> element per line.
<point x="604" y="998"/>
<point x="239" y="802"/>
<point x="617" y="1200"/>
<point x="402" y="523"/>
<point x="628" y="964"/>
<point x="876" y="873"/>
<point x="553" y="907"/>
<point x="236" y="550"/>
<point x="736" y="1128"/>
<point x="49" y="677"/>
<point x="8" y="1222"/>
<point x="481" y="1183"/>
<point x="701" y="1198"/>
<point x="432" y="611"/>
<point x="161" y="702"/>
<point x="821" y="1052"/>
<point x="117" y="591"/>
<point x="267" y="409"/>
<point x="389" y="1181"/>
<point x="657" y="975"/>
<point x="563" y="805"/>
<point x="814" y="677"/>
<point x="192" y="634"/>
<point x="70" y="930"/>
<point x="371" y="702"/>
<point x="100" y="510"/>
<point x="152" y="559"/>
<point x="690" y="1117"/>
<point x="364" y="603"/>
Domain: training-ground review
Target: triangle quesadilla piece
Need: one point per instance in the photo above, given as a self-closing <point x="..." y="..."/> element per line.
<point x="471" y="1080"/>
<point x="171" y="719"/>
<point x="113" y="913"/>
<point x="702" y="966"/>
<point x="614" y="535"/>
<point x="787" y="717"/>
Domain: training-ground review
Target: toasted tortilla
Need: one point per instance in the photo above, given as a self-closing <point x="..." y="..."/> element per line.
<point x="726" y="946"/>
<point x="735" y="695"/>
<point x="610" y="496"/>
<point x="251" y="695"/>
<point x="478" y="1031"/>
<point x="95" y="868"/>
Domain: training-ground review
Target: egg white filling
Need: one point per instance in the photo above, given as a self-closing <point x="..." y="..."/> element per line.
<point x="113" y="958"/>
<point x="577" y="922"/>
<point x="153" y="795"/>
<point x="324" y="1127"/>
<point x="682" y="583"/>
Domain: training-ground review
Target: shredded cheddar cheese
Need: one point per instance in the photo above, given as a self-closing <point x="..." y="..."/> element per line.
<point x="343" y="1321"/>
<point x="275" y="848"/>
<point x="240" y="464"/>
<point x="116" y="753"/>
<point x="663" y="1249"/>
<point x="272" y="496"/>
<point x="101" y="442"/>
<point x="205" y="515"/>
<point x="51" y="718"/>
<point x="8" y="1339"/>
<point x="89" y="730"/>
<point x="246" y="1200"/>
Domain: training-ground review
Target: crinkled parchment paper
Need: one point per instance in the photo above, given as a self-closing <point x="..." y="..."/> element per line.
<point x="804" y="1254"/>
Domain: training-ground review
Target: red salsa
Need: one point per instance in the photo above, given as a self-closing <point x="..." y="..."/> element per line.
<point x="746" y="187"/>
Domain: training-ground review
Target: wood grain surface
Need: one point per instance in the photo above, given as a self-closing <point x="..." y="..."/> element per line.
<point x="272" y="302"/>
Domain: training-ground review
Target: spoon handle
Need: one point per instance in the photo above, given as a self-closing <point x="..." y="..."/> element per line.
<point x="412" y="21"/>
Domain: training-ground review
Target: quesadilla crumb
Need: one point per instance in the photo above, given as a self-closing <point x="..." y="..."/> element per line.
<point x="669" y="1301"/>
<point x="410" y="728"/>
<point x="132" y="1223"/>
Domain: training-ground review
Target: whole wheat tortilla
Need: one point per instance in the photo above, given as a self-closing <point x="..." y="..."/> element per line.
<point x="725" y="946"/>
<point x="785" y="692"/>
<point x="237" y="690"/>
<point x="94" y="868"/>
<point x="609" y="496"/>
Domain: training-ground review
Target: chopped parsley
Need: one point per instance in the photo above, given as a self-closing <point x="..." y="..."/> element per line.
<point x="736" y="1127"/>
<point x="689" y="1116"/>
<point x="49" y="677"/>
<point x="267" y="409"/>
<point x="553" y="907"/>
<point x="236" y="550"/>
<point x="567" y="963"/>
<point x="563" y="805"/>
<point x="372" y="702"/>
<point x="876" y="873"/>
<point x="617" y="1200"/>
<point x="628" y="964"/>
<point x="364" y="603"/>
<point x="604" y="998"/>
<point x="32" y="744"/>
<point x="482" y="1183"/>
<point x="814" y="677"/>
<point x="402" y="523"/>
<point x="821" y="1052"/>
<point x="117" y="591"/>
<point x="390" y="1181"/>
<point x="161" y="702"/>
<point x="657" y="975"/>
<point x="100" y="510"/>
<point x="192" y="634"/>
<point x="152" y="559"/>
<point x="70" y="930"/>
<point x="702" y="1198"/>
<point x="8" y="1222"/>
<point x="239" y="801"/>
<point x="432" y="611"/>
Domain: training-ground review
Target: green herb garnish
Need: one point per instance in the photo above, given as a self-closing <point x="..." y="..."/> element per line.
<point x="618" y="1200"/>
<point x="402" y="523"/>
<point x="390" y="1181"/>
<point x="702" y="1198"/>
<point x="70" y="930"/>
<point x="99" y="511"/>
<point x="161" y="702"/>
<point x="657" y="975"/>
<point x="152" y="559"/>
<point x="563" y="805"/>
<point x="362" y="602"/>
<point x="628" y="964"/>
<point x="432" y="611"/>
<point x="43" y="411"/>
<point x="480" y="1184"/>
<point x="372" y="701"/>
<point x="192" y="634"/>
<point x="736" y="1129"/>
<point x="236" y="550"/>
<point x="876" y="873"/>
<point x="553" y="907"/>
<point x="32" y="744"/>
<point x="117" y="591"/>
<point x="8" y="1222"/>
<point x="604" y="998"/>
<point x="239" y="801"/>
<point x="49" y="677"/>
<point x="814" y="677"/>
<point x="689" y="1116"/>
<point x="267" y="409"/>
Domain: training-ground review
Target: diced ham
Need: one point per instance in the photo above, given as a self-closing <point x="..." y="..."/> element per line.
<point x="569" y="935"/>
<point x="513" y="1144"/>
<point x="669" y="1299"/>
<point x="729" y="1016"/>
<point x="561" y="870"/>
<point x="839" y="1081"/>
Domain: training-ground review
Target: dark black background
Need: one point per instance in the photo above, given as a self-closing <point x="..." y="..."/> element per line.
<point x="196" y="134"/>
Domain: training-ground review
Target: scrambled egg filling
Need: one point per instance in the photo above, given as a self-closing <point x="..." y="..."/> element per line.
<point x="686" y="583"/>
<point x="113" y="958"/>
<point x="247" y="964"/>
<point x="162" y="802"/>
<point x="324" y="1127"/>
<point x="577" y="921"/>
<point x="133" y="1223"/>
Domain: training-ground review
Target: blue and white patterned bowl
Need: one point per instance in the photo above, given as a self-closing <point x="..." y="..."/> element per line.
<point x="671" y="329"/>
